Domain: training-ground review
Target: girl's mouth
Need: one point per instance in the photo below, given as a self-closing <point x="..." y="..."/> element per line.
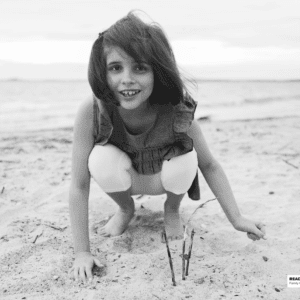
<point x="129" y="93"/>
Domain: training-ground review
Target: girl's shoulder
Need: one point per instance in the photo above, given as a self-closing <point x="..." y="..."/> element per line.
<point x="83" y="126"/>
<point x="85" y="110"/>
<point x="86" y="107"/>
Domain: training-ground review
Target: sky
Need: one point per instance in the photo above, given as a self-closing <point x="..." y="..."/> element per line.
<point x="212" y="39"/>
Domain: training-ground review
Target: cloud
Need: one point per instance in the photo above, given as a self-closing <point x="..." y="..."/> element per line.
<point x="46" y="52"/>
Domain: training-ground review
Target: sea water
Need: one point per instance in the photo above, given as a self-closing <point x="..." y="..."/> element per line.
<point x="42" y="105"/>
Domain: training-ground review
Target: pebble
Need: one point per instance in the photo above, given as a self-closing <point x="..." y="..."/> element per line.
<point x="55" y="277"/>
<point x="199" y="281"/>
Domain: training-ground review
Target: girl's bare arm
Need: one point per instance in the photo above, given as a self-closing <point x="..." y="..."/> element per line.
<point x="214" y="174"/>
<point x="218" y="182"/>
<point x="83" y="142"/>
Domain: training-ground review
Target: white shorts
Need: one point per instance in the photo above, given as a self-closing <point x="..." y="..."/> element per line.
<point x="112" y="169"/>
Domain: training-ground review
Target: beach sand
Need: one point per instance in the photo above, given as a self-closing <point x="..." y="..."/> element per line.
<point x="261" y="159"/>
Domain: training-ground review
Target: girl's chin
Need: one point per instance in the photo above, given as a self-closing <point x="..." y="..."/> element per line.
<point x="129" y="106"/>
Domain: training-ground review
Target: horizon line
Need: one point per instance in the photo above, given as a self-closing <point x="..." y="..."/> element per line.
<point x="16" y="79"/>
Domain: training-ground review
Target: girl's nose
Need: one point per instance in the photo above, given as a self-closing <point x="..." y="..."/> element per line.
<point x="127" y="77"/>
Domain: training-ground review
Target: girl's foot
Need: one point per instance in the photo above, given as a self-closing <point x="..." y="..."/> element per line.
<point x="173" y="225"/>
<point x="117" y="224"/>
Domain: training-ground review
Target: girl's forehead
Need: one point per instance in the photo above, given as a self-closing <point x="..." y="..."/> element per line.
<point x="115" y="53"/>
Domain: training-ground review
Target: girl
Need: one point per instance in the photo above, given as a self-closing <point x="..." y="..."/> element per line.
<point x="137" y="136"/>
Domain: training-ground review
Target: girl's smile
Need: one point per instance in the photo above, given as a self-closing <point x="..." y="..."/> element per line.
<point x="130" y="81"/>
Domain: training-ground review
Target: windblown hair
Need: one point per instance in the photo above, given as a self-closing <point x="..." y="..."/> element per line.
<point x="143" y="42"/>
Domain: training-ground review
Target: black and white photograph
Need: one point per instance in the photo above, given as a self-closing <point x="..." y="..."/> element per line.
<point x="149" y="150"/>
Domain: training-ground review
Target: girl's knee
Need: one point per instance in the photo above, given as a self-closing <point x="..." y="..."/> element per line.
<point x="109" y="167"/>
<point x="178" y="173"/>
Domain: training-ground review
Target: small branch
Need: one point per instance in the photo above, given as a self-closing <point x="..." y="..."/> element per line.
<point x="56" y="227"/>
<point x="190" y="253"/>
<point x="37" y="233"/>
<point x="200" y="206"/>
<point x="9" y="161"/>
<point x="170" y="258"/>
<point x="183" y="254"/>
<point x="286" y="161"/>
<point x="283" y="154"/>
<point x="3" y="190"/>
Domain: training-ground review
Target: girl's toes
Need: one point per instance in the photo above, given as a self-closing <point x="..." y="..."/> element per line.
<point x="103" y="232"/>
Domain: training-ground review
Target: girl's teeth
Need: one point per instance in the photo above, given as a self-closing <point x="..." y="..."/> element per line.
<point x="129" y="93"/>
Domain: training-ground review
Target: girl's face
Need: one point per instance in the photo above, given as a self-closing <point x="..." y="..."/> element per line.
<point x="130" y="81"/>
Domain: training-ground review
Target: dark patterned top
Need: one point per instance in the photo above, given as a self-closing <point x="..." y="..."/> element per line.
<point x="165" y="139"/>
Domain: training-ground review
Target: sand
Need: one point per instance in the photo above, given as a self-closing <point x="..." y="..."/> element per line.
<point x="262" y="161"/>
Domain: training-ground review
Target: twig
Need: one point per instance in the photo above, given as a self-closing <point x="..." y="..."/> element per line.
<point x="37" y="234"/>
<point x="283" y="154"/>
<point x="9" y="161"/>
<point x="286" y="161"/>
<point x="3" y="190"/>
<point x="183" y="254"/>
<point x="170" y="258"/>
<point x="56" y="227"/>
<point x="200" y="206"/>
<point x="190" y="253"/>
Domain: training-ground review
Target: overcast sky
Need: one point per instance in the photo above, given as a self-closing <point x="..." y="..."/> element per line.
<point x="213" y="39"/>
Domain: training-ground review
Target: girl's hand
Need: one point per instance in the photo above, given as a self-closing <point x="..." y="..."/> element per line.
<point x="83" y="266"/>
<point x="255" y="230"/>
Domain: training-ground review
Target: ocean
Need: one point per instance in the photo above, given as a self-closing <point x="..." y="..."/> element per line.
<point x="42" y="105"/>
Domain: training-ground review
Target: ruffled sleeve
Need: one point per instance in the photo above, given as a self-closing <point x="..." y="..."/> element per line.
<point x="102" y="123"/>
<point x="184" y="114"/>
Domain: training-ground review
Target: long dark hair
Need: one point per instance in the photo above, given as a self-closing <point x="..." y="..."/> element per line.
<point x="143" y="42"/>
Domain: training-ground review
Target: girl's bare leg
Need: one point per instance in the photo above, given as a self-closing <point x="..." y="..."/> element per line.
<point x="173" y="222"/>
<point x="119" y="222"/>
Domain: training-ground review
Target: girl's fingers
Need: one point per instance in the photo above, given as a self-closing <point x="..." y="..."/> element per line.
<point x="98" y="263"/>
<point x="261" y="227"/>
<point x="89" y="274"/>
<point x="82" y="274"/>
<point x="252" y="236"/>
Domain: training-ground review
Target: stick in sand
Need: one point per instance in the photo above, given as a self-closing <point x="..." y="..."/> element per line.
<point x="190" y="218"/>
<point x="183" y="254"/>
<point x="170" y="258"/>
<point x="187" y="257"/>
<point x="190" y="253"/>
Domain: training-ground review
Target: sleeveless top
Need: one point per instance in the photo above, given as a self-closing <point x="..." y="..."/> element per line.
<point x="165" y="139"/>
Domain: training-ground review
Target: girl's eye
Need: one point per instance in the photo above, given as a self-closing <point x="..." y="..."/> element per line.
<point x="114" y="68"/>
<point x="141" y="68"/>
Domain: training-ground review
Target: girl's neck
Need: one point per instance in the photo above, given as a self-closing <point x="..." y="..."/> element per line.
<point x="140" y="112"/>
<point x="139" y="120"/>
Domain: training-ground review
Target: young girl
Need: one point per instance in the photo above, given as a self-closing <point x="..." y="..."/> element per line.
<point x="137" y="136"/>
